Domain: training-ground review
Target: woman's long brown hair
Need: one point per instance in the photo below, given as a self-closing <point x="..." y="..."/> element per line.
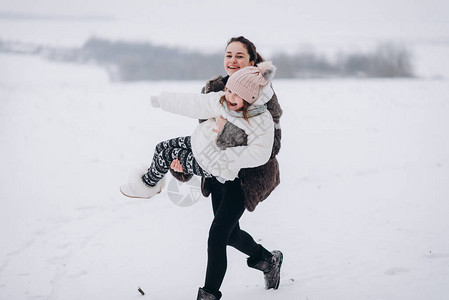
<point x="250" y="47"/>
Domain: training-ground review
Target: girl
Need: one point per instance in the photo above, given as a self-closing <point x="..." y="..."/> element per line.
<point x="243" y="104"/>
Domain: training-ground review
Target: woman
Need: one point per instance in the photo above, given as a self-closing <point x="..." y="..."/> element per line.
<point x="230" y="199"/>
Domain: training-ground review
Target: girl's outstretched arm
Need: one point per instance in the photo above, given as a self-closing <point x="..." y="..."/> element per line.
<point x="198" y="106"/>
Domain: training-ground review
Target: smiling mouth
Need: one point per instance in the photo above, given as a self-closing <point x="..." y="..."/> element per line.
<point x="231" y="103"/>
<point x="233" y="67"/>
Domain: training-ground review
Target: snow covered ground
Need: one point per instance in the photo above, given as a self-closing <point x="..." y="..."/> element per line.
<point x="361" y="212"/>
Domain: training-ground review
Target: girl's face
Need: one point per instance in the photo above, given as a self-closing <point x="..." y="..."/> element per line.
<point x="235" y="102"/>
<point x="236" y="58"/>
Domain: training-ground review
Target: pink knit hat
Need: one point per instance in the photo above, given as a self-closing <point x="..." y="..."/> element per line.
<point x="248" y="81"/>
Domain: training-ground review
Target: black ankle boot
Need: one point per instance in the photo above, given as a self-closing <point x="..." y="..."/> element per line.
<point x="203" y="295"/>
<point x="270" y="265"/>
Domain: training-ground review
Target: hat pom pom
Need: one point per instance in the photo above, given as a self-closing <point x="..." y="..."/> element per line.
<point x="268" y="69"/>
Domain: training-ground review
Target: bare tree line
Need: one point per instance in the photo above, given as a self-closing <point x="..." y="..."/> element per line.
<point x="387" y="60"/>
<point x="132" y="61"/>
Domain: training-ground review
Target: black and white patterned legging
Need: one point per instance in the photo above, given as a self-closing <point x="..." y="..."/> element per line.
<point x="178" y="148"/>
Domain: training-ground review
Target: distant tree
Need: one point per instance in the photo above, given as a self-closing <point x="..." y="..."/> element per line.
<point x="356" y="64"/>
<point x="303" y="65"/>
<point x="144" y="61"/>
<point x="391" y="60"/>
<point x="388" y="60"/>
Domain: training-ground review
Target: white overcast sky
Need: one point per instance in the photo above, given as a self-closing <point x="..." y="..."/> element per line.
<point x="282" y="22"/>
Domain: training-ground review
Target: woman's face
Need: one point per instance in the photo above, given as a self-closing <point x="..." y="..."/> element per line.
<point x="235" y="102"/>
<point x="236" y="58"/>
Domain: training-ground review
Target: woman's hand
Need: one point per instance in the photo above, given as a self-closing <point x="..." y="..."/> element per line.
<point x="176" y="166"/>
<point x="220" y="124"/>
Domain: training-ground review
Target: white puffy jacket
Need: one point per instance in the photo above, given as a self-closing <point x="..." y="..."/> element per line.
<point x="223" y="163"/>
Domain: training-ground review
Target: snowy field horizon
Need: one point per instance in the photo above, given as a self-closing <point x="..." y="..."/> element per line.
<point x="361" y="212"/>
<point x="426" y="38"/>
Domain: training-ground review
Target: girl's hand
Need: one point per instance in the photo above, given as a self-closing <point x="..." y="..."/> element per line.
<point x="176" y="166"/>
<point x="220" y="124"/>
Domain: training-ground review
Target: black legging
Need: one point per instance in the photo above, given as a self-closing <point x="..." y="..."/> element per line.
<point x="228" y="206"/>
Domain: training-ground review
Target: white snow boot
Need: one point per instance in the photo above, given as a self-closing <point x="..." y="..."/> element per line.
<point x="136" y="188"/>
